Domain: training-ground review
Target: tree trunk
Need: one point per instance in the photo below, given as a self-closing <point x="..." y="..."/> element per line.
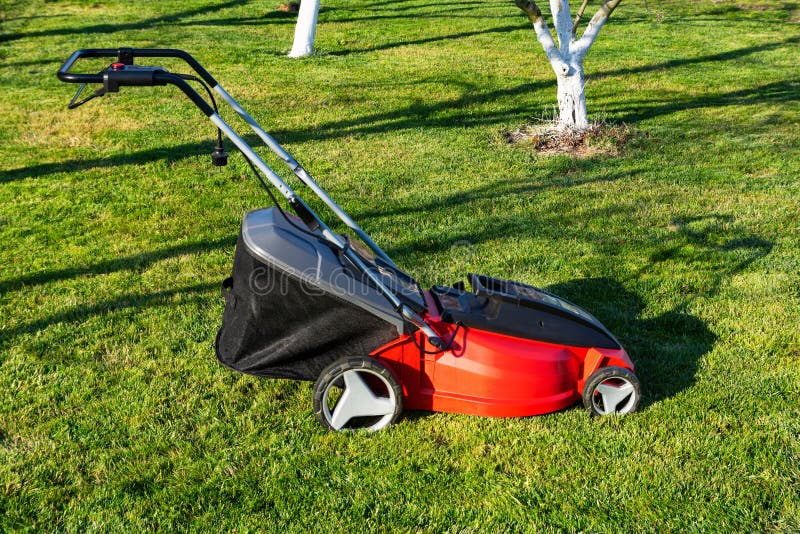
<point x="567" y="58"/>
<point x="572" y="99"/>
<point x="305" y="29"/>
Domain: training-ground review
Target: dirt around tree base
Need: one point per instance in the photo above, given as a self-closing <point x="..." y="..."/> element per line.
<point x="289" y="7"/>
<point x="548" y="139"/>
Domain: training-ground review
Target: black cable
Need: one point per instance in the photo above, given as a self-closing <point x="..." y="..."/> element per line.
<point x="192" y="78"/>
<point x="275" y="200"/>
<point x="438" y="351"/>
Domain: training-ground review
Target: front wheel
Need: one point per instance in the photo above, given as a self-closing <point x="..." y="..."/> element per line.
<point x="357" y="393"/>
<point x="612" y="390"/>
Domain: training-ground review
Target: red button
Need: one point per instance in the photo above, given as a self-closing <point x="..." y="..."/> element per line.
<point x="117" y="66"/>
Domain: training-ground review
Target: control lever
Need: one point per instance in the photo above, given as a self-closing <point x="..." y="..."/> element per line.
<point x="74" y="103"/>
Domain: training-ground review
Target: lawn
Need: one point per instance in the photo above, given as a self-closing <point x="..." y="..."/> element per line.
<point x="116" y="232"/>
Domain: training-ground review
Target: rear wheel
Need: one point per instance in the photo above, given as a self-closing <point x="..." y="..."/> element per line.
<point x="355" y="393"/>
<point x="612" y="390"/>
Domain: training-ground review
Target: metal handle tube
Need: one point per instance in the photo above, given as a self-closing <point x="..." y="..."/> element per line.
<point x="290" y="195"/>
<point x="302" y="174"/>
<point x="160" y="78"/>
<point x="409" y="314"/>
<point x="271" y="175"/>
<point x="65" y="76"/>
<point x="176" y="53"/>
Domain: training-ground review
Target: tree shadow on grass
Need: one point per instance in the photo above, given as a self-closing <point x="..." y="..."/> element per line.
<point x="168" y="153"/>
<point x="774" y="93"/>
<point x="432" y="39"/>
<point x="137" y="25"/>
<point x="713" y="246"/>
<point x="78" y="314"/>
<point x="460" y="112"/>
<point x="415" y="5"/>
<point x="466" y="12"/>
<point x="129" y="263"/>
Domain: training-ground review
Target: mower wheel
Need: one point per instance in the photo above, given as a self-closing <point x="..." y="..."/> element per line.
<point x="612" y="390"/>
<point x="357" y="393"/>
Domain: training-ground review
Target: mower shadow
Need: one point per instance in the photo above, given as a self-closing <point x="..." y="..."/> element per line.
<point x="665" y="349"/>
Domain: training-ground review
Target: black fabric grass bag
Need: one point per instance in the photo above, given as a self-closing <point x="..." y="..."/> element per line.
<point x="276" y="325"/>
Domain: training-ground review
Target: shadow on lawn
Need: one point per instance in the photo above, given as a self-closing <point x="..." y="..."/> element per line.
<point x="134" y="262"/>
<point x="775" y="93"/>
<point x="77" y="314"/>
<point x="432" y="39"/>
<point x="694" y="261"/>
<point x="459" y="111"/>
<point x="464" y="10"/>
<point x="168" y="153"/>
<point x="116" y="27"/>
<point x="666" y="349"/>
<point x="128" y="263"/>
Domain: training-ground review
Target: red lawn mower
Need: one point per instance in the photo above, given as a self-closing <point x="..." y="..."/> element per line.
<point x="307" y="303"/>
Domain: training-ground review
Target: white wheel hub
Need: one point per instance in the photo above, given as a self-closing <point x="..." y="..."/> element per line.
<point x="614" y="395"/>
<point x="365" y="394"/>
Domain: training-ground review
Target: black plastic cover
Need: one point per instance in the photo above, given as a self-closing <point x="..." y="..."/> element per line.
<point x="520" y="310"/>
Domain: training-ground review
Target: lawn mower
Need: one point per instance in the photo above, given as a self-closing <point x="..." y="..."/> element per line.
<point x="307" y="303"/>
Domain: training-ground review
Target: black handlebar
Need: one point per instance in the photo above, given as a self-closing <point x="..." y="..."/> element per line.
<point x="126" y="57"/>
<point x="124" y="73"/>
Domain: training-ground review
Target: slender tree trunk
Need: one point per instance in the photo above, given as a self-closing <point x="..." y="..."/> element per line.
<point x="566" y="59"/>
<point x="305" y="29"/>
<point x="572" y="98"/>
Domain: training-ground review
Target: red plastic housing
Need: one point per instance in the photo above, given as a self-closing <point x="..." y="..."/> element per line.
<point x="490" y="374"/>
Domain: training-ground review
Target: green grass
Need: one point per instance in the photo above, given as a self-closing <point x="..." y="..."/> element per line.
<point x="116" y="232"/>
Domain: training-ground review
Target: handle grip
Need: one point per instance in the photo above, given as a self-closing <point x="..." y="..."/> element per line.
<point x="70" y="77"/>
<point x="126" y="56"/>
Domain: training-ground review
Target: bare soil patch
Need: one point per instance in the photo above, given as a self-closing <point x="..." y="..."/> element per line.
<point x="548" y="139"/>
<point x="289" y="7"/>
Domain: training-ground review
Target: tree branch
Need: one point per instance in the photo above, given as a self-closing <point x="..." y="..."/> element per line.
<point x="562" y="21"/>
<point x="543" y="35"/>
<point x="578" y="16"/>
<point x="530" y="8"/>
<point x="593" y="28"/>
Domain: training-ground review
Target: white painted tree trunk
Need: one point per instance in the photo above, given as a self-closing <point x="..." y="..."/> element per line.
<point x="567" y="57"/>
<point x="306" y="28"/>
<point x="572" y="99"/>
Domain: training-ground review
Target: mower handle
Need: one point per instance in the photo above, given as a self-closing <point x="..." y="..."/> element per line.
<point x="123" y="72"/>
<point x="126" y="57"/>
